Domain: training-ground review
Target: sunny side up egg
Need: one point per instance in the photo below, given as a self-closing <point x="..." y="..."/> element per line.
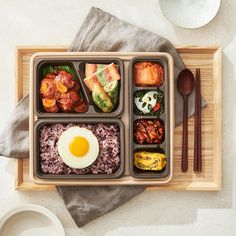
<point x="78" y="147"/>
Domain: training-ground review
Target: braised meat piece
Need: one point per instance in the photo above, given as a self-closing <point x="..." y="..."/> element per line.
<point x="48" y="88"/>
<point x="148" y="131"/>
<point x="59" y="92"/>
<point x="51" y="76"/>
<point x="65" y="79"/>
<point x="82" y="106"/>
<point x="68" y="100"/>
<point x="52" y="109"/>
<point x="50" y="105"/>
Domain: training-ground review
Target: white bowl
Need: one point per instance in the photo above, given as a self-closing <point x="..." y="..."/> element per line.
<point x="190" y="14"/>
<point x="30" y="220"/>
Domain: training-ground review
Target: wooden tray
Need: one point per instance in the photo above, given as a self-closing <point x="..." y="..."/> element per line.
<point x="209" y="60"/>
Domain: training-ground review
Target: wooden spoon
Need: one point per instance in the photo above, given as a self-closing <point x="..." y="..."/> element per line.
<point x="185" y="85"/>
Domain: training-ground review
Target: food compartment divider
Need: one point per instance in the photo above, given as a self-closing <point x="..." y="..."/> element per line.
<point x="163" y="147"/>
<point x="41" y="122"/>
<point x="78" y="66"/>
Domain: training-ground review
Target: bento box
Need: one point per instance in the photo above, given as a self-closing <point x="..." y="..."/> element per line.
<point x="101" y="118"/>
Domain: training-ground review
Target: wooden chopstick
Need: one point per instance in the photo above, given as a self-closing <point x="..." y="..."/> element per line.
<point x="197" y="165"/>
<point x="195" y="162"/>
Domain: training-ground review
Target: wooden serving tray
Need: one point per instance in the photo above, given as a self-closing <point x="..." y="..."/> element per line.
<point x="209" y="60"/>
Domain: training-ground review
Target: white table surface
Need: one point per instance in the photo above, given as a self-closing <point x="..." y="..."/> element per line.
<point x="152" y="212"/>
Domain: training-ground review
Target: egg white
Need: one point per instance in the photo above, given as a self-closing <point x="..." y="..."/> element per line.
<point x="65" y="153"/>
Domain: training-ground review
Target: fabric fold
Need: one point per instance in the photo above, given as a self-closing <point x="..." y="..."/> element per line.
<point x="87" y="203"/>
<point x="14" y="140"/>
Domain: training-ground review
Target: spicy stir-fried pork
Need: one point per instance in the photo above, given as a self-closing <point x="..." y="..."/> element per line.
<point x="148" y="131"/>
<point x="59" y="92"/>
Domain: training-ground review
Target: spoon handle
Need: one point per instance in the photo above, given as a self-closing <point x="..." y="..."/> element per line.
<point x="185" y="136"/>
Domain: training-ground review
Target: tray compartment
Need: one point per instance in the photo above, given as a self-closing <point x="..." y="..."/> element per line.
<point x="37" y="169"/>
<point x="138" y="93"/>
<point x="78" y="66"/>
<point x="164" y="146"/>
<point x="39" y="76"/>
<point x="160" y="63"/>
<point x="140" y="121"/>
<point x="146" y="174"/>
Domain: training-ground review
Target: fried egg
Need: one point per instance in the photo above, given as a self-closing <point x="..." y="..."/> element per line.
<point x="78" y="147"/>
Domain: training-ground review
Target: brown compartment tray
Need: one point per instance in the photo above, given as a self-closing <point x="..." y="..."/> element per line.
<point x="209" y="60"/>
<point x="127" y="178"/>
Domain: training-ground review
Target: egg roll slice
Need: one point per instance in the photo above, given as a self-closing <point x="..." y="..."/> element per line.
<point x="149" y="160"/>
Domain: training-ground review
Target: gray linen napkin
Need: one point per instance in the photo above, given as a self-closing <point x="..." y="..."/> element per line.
<point x="99" y="32"/>
<point x="87" y="203"/>
<point x="14" y="140"/>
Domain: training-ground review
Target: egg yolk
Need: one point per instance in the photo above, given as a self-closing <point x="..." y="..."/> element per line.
<point x="79" y="146"/>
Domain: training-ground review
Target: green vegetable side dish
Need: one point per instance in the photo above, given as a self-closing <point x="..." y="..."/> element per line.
<point x="103" y="80"/>
<point x="101" y="99"/>
<point x="53" y="69"/>
<point x="148" y="102"/>
<point x="112" y="90"/>
<point x="102" y="77"/>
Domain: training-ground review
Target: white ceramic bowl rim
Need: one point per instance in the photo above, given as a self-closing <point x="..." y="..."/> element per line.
<point x="182" y="12"/>
<point x="35" y="208"/>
